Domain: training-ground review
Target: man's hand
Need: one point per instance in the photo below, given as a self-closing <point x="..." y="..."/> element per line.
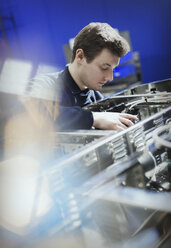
<point x="112" y="121"/>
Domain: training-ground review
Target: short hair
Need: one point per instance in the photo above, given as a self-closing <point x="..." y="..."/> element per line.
<point x="96" y="36"/>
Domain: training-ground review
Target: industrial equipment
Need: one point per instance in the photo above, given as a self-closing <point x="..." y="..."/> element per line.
<point x="120" y="183"/>
<point x="111" y="188"/>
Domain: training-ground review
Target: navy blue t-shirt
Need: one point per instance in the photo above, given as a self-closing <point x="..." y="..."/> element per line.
<point x="71" y="100"/>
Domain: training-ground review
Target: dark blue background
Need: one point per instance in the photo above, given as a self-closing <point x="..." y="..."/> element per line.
<point x="44" y="26"/>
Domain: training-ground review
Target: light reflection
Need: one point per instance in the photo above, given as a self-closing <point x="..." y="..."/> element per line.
<point x="15" y="75"/>
<point x="44" y="68"/>
<point x="18" y="184"/>
<point x="26" y="147"/>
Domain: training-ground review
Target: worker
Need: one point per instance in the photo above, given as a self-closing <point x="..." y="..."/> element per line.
<point x="96" y="52"/>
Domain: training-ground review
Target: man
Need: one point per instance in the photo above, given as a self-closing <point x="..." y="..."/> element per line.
<point x="96" y="52"/>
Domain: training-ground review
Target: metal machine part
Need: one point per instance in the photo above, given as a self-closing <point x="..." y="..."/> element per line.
<point x="158" y="87"/>
<point x="143" y="100"/>
<point x="67" y="142"/>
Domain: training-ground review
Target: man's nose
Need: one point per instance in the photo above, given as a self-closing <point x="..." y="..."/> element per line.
<point x="109" y="76"/>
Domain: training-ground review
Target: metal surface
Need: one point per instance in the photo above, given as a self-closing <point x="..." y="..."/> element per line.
<point x="158" y="87"/>
<point x="67" y="142"/>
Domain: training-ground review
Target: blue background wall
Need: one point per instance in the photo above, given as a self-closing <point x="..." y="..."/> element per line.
<point x="44" y="26"/>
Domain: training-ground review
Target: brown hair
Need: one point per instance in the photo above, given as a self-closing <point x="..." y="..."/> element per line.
<point x="96" y="36"/>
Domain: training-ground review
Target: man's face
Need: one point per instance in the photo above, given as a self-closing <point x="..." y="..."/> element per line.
<point x="95" y="74"/>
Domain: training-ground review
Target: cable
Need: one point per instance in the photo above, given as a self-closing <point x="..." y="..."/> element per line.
<point x="146" y="101"/>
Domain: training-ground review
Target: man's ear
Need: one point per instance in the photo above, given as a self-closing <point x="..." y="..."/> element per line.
<point x="79" y="55"/>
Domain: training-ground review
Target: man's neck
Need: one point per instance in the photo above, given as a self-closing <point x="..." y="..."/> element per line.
<point x="74" y="71"/>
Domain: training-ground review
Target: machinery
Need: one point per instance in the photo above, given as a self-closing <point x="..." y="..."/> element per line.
<point x="112" y="188"/>
<point x="117" y="185"/>
<point x="143" y="100"/>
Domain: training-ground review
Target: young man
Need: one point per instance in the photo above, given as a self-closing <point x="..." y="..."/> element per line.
<point x="96" y="52"/>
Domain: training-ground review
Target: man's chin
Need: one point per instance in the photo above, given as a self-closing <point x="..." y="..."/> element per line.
<point x="98" y="87"/>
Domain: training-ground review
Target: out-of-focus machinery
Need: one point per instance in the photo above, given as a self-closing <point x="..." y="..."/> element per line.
<point x="111" y="188"/>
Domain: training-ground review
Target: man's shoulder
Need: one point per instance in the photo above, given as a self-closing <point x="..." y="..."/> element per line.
<point x="54" y="75"/>
<point x="44" y="85"/>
